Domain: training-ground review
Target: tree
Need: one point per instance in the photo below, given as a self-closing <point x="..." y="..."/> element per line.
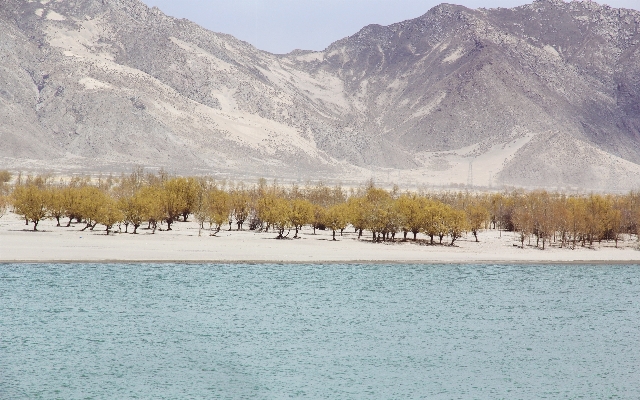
<point x="434" y="220"/>
<point x="109" y="214"/>
<point x="173" y="200"/>
<point x="542" y="224"/>
<point x="30" y="202"/>
<point x="576" y="219"/>
<point x="56" y="205"/>
<point x="319" y="213"/>
<point x="185" y="192"/>
<point x="337" y="218"/>
<point x="477" y="215"/>
<point x="275" y="212"/>
<point x="240" y="202"/>
<point x="218" y="208"/>
<point x="5" y="176"/>
<point x="456" y="222"/>
<point x="613" y="219"/>
<point x="301" y="214"/>
<point x="561" y="216"/>
<point x="378" y="209"/>
<point x="266" y="209"/>
<point x="412" y="211"/>
<point x="4" y="203"/>
<point x="72" y="203"/>
<point x="134" y="210"/>
<point x="358" y="211"/>
<point x="522" y="221"/>
<point x="91" y="201"/>
<point x="201" y="209"/>
<point x="152" y="205"/>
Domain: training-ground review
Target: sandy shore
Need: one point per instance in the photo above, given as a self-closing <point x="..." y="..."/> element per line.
<point x="60" y="244"/>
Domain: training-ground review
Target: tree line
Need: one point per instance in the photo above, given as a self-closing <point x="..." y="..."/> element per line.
<point x="157" y="201"/>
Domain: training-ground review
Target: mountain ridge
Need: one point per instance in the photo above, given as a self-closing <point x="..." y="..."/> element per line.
<point x="496" y="96"/>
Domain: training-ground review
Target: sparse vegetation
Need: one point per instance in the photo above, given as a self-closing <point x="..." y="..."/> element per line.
<point x="160" y="201"/>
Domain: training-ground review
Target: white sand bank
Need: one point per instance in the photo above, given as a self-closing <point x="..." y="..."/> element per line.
<point x="59" y="244"/>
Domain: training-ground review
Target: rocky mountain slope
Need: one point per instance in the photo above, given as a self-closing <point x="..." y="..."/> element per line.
<point x="547" y="94"/>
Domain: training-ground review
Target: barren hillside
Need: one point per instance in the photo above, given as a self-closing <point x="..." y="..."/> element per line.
<point x="545" y="94"/>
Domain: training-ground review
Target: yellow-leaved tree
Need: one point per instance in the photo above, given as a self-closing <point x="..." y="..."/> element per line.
<point x="134" y="210"/>
<point x="218" y="209"/>
<point x="153" y="205"/>
<point x="301" y="214"/>
<point x="30" y="202"/>
<point x="412" y="209"/>
<point x="457" y="224"/>
<point x="91" y="201"/>
<point x="337" y="218"/>
<point x="109" y="214"/>
<point x="478" y="216"/>
<point x="275" y="212"/>
<point x="173" y="200"/>
<point x="433" y="222"/>
<point x="4" y="204"/>
<point x="56" y="205"/>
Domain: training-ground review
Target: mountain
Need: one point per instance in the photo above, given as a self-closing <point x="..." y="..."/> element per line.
<point x="547" y="94"/>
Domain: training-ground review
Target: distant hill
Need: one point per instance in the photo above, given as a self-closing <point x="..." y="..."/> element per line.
<point x="547" y="94"/>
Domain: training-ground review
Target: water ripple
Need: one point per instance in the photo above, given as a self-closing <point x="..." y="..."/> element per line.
<point x="319" y="331"/>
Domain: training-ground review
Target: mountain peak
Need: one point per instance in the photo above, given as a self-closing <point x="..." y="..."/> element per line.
<point x="545" y="94"/>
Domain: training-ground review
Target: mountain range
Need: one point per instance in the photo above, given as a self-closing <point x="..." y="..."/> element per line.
<point x="542" y="95"/>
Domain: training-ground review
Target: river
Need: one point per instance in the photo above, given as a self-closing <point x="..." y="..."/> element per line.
<point x="266" y="331"/>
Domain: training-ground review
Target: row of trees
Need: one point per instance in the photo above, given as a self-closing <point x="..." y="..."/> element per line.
<point x="155" y="200"/>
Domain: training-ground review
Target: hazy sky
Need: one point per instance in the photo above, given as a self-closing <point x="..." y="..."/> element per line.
<point x="280" y="26"/>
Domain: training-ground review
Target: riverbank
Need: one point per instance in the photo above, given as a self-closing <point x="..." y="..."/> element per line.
<point x="18" y="243"/>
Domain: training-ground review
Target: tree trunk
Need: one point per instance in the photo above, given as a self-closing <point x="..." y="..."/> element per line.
<point x="35" y="225"/>
<point x="296" y="235"/>
<point x="334" y="234"/>
<point x="415" y="236"/>
<point x="475" y="234"/>
<point x="405" y="236"/>
<point x="58" y="219"/>
<point x="135" y="228"/>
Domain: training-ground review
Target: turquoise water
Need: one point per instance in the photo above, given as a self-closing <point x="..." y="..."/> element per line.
<point x="319" y="331"/>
